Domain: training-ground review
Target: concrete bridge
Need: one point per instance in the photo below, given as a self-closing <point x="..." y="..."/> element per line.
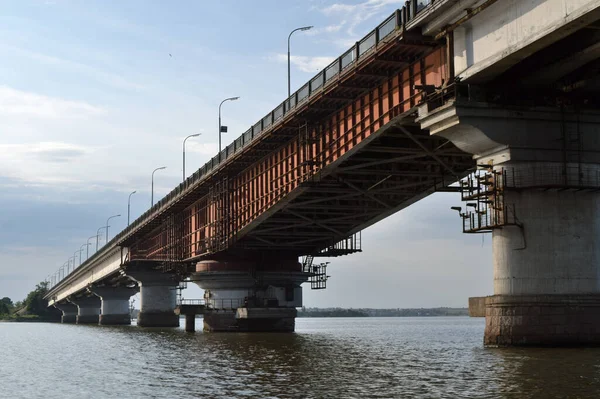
<point x="496" y="100"/>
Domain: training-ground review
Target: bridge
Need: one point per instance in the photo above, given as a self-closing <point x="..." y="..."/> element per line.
<point x="495" y="100"/>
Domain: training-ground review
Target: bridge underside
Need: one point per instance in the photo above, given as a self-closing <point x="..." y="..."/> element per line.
<point x="398" y="166"/>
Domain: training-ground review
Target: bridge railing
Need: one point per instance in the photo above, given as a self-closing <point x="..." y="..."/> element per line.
<point x="337" y="68"/>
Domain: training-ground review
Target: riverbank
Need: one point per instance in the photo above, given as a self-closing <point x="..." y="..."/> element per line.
<point x="26" y="319"/>
<point x="368" y="312"/>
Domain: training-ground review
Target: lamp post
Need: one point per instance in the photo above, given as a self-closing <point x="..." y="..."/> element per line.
<point x="184" y="140"/>
<point x="223" y="129"/>
<point x="87" y="253"/>
<point x="152" y="193"/>
<point x="289" y="73"/>
<point x="81" y="250"/>
<point x="75" y="258"/>
<point x="67" y="264"/>
<point x="98" y="235"/>
<point x="107" y="226"/>
<point x="129" y="205"/>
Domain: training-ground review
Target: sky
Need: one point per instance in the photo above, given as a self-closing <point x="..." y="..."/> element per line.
<point x="94" y="95"/>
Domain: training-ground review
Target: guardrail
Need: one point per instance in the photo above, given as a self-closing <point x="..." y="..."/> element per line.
<point x="341" y="65"/>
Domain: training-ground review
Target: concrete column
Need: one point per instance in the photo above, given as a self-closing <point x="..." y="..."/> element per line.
<point x="115" y="304"/>
<point x="250" y="296"/>
<point x="190" y="322"/>
<point x="89" y="309"/>
<point x="69" y="312"/>
<point x="547" y="258"/>
<point x="158" y="297"/>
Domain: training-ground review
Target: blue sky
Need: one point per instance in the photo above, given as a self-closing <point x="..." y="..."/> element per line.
<point x="96" y="94"/>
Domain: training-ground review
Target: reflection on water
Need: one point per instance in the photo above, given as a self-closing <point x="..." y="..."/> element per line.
<point x="338" y="358"/>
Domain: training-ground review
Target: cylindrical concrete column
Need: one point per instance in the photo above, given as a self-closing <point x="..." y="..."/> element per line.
<point x="190" y="322"/>
<point x="115" y="304"/>
<point x="69" y="312"/>
<point x="546" y="253"/>
<point x="89" y="309"/>
<point x="158" y="298"/>
<point x="547" y="271"/>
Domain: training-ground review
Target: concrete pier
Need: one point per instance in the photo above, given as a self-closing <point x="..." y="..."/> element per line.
<point x="158" y="297"/>
<point x="245" y="296"/>
<point x="89" y="309"/>
<point x="115" y="304"/>
<point x="477" y="306"/>
<point x="69" y="312"/>
<point x="545" y="246"/>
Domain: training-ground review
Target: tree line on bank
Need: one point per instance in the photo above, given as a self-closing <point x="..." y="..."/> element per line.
<point x="368" y="312"/>
<point x="34" y="306"/>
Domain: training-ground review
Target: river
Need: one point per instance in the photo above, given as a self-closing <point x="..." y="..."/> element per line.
<point x="437" y="357"/>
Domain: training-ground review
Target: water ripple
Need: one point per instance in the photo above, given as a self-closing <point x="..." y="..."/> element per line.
<point x="327" y="358"/>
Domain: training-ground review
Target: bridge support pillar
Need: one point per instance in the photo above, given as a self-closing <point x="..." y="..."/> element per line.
<point x="89" y="309"/>
<point x="544" y="179"/>
<point x="241" y="296"/>
<point x="190" y="322"/>
<point x="69" y="312"/>
<point x="115" y="304"/>
<point x="158" y="297"/>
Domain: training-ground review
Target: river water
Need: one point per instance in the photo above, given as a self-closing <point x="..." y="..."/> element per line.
<point x="438" y="357"/>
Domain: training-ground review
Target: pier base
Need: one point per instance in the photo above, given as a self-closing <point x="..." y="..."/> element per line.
<point x="69" y="312"/>
<point x="251" y="320"/>
<point x="542" y="320"/>
<point x="158" y="319"/>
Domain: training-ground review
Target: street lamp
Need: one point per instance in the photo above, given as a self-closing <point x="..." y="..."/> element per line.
<point x="290" y="35"/>
<point x="152" y="194"/>
<point x="223" y="129"/>
<point x="184" y="140"/>
<point x="129" y="205"/>
<point x="87" y="253"/>
<point x="107" y="226"/>
<point x="81" y="250"/>
<point x="66" y="263"/>
<point x="97" y="236"/>
<point x="75" y="258"/>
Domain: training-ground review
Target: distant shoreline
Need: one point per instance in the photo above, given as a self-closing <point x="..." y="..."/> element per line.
<point x="367" y="312"/>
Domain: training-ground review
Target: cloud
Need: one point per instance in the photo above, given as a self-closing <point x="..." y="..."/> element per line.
<point x="26" y="104"/>
<point x="325" y="29"/>
<point x="110" y="79"/>
<point x="304" y="63"/>
<point x="356" y="14"/>
<point x="34" y="162"/>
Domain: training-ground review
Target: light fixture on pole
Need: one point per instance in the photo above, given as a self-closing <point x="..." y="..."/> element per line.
<point x="98" y="236"/>
<point x="87" y="254"/>
<point x="72" y="264"/>
<point x="184" y="140"/>
<point x="152" y="190"/>
<point x="223" y="129"/>
<point x="289" y="73"/>
<point x="107" y="226"/>
<point x="129" y="205"/>
<point x="81" y="250"/>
